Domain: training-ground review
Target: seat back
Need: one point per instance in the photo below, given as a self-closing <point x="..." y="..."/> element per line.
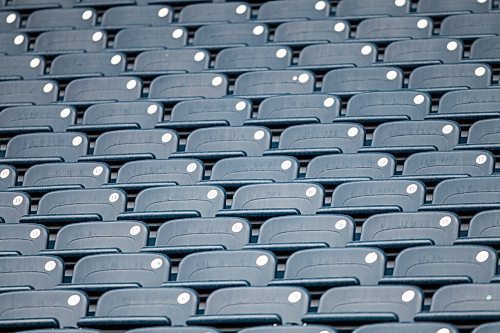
<point x="36" y="272"/>
<point x="103" y="89"/>
<point x="363" y="8"/>
<point x="23" y="66"/>
<point x="26" y="239"/>
<point x="485" y="224"/>
<point x="71" y="18"/>
<point x="473" y="76"/>
<point x="264" y="57"/>
<point x="356" y="54"/>
<point x="87" y="175"/>
<point x="353" y="80"/>
<point x="28" y="92"/>
<point x="188" y="60"/>
<point x="232" y="110"/>
<point x="64" y="41"/>
<point x="286" y="10"/>
<point x="275" y="82"/>
<point x="395" y="28"/>
<point x="472" y="190"/>
<point x="466" y="298"/>
<point x="312" y="30"/>
<point x="201" y="13"/>
<point x="13" y="43"/>
<point x="222" y="34"/>
<point x="13" y="205"/>
<point x="104" y="63"/>
<point x="58" y="118"/>
<point x="144" y="114"/>
<point x="150" y="38"/>
<point x="129" y="16"/>
<point x="183" y="86"/>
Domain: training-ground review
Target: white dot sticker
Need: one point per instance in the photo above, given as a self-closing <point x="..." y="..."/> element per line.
<point x="156" y="263"/>
<point x="261" y="260"/>
<point x="97" y="36"/>
<point x="371" y="257"/>
<point x="11" y="18"/>
<point x="240" y="106"/>
<point x="366" y="50"/>
<point x="303" y="78"/>
<point x="340" y="224"/>
<point x="47" y="88"/>
<point x="50" y="265"/>
<point x="482" y="256"/>
<point x="445" y="221"/>
<point x="422" y="24"/>
<point x="35" y="233"/>
<point x="320" y="5"/>
<point x="212" y="194"/>
<point x="131" y="84"/>
<point x="152" y="109"/>
<point x="311" y="192"/>
<point x="19" y="39"/>
<point x="294" y="297"/>
<point x="77" y="140"/>
<point x="443" y="330"/>
<point x="339" y="27"/>
<point x="489" y="297"/>
<point x="418" y="99"/>
<point x="482" y="1"/>
<point x="447" y="129"/>
<point x="329" y="102"/>
<point x="481" y="159"/>
<point x="17" y="200"/>
<point x="382" y="162"/>
<point x="4" y="173"/>
<point x="258" y="135"/>
<point x="177" y="33"/>
<point x="113" y="197"/>
<point x="452" y="46"/>
<point x="73" y="300"/>
<point x="87" y="15"/>
<point x="135" y="230"/>
<point x="281" y="53"/>
<point x="183" y="298"/>
<point x="408" y="296"/>
<point x="286" y="164"/>
<point x="352" y="132"/>
<point x="98" y="170"/>
<point x="412" y="188"/>
<point x="241" y="9"/>
<point x="217" y="81"/>
<point x="237" y="227"/>
<point x="191" y="167"/>
<point x="166" y="138"/>
<point x="258" y="30"/>
<point x="163" y="12"/>
<point x="199" y="56"/>
<point x="35" y="62"/>
<point x="400" y="3"/>
<point x="65" y="113"/>
<point x="391" y="75"/>
<point x="116" y="59"/>
<point x="480" y="71"/>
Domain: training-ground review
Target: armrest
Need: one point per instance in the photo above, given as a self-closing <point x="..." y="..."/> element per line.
<point x="45" y="189"/>
<point x="399" y="150"/>
<point x="331" y="181"/>
<point x="304" y="152"/>
<point x="232" y="184"/>
<point x="286" y="247"/>
<point x="349" y="318"/>
<point x="181" y="250"/>
<point x="97" y="287"/>
<point x="209" y="156"/>
<point x="278" y="122"/>
<point x="77" y="253"/>
<point x="191" y="124"/>
<point x="460" y="207"/>
<point x="101" y="127"/>
<point x="26" y="162"/>
<point x="483" y="146"/>
<point x="23" y="129"/>
<point x="434" y="281"/>
<point x="6" y="289"/>
<point x="360" y="210"/>
<point x="270" y="212"/>
<point x="459" y="317"/>
<point x="235" y="320"/>
<point x="116" y="158"/>
<point x="137" y="186"/>
<point x="206" y="285"/>
<point x="167" y="215"/>
<point x="60" y="218"/>
<point x="392" y="244"/>
<point x="317" y="282"/>
<point x="123" y="322"/>
<point x="488" y="241"/>
<point x="29" y="323"/>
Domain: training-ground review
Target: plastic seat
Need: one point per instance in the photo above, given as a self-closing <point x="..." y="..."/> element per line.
<point x="109" y="3"/>
<point x="336" y="169"/>
<point x="30" y="4"/>
<point x="242" y="59"/>
<point x="291" y="329"/>
<point x="367" y="304"/>
<point x="320" y="268"/>
<point x="103" y="89"/>
<point x="39" y="118"/>
<point x="30" y="272"/>
<point x="276" y="199"/>
<point x="186" y="86"/>
<point x="469" y="104"/>
<point x="483" y="135"/>
<point x="79" y="206"/>
<point x="485" y="49"/>
<point x="293" y="233"/>
<point x="287" y="10"/>
<point x="377" y="196"/>
<point x="13" y="205"/>
<point x="177" y="329"/>
<point x="470" y="25"/>
<point x="8" y="176"/>
<point x="395" y="28"/>
<point x="484" y="229"/>
<point x="379" y="107"/>
<point x="62" y="330"/>
<point x="450" y="77"/>
<point x="262" y="84"/>
<point x="142" y="307"/>
<point x="68" y="41"/>
<point x="67" y="18"/>
<point x="128" y="145"/>
<point x="453" y="6"/>
<point x="401" y="230"/>
<point x="77" y="65"/>
<point x="218" y="269"/>
<point x="324" y="56"/>
<point x="136" y="39"/>
<point x="163" y="203"/>
<point x="222" y="142"/>
<point x="130" y="16"/>
<point x="231" y="34"/>
<point x="366" y="8"/>
<point x="253" y="306"/>
<point x="306" y="32"/>
<point x="120" y="115"/>
<point x="189" y="235"/>
<point x="28" y="92"/>
<point x="350" y="81"/>
<point x="487" y="328"/>
<point x="204" y="13"/>
<point x="24" y="67"/>
<point x="9" y="21"/>
<point x="29" y="149"/>
<point x="464" y="303"/>
<point x="407" y="327"/>
<point x="42" y="309"/>
<point x="13" y="43"/>
<point x="156" y="62"/>
<point x="320" y="139"/>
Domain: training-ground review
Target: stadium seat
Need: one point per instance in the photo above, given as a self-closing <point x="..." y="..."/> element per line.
<point x="407" y="327"/>
<point x="81" y="65"/>
<point x="253" y="306"/>
<point x="469" y="104"/>
<point x="206" y="13"/>
<point x="142" y="307"/>
<point x="359" y="9"/>
<point x="367" y="304"/>
<point x="291" y="329"/>
<point x="350" y="81"/>
<point x="31" y="4"/>
<point x="8" y="176"/>
<point x="386" y="29"/>
<point x="30" y="272"/>
<point x="289" y="10"/>
<point x="173" y="61"/>
<point x="138" y="39"/>
<point x="41" y="309"/>
<point x="484" y="229"/>
<point x="134" y="16"/>
<point x="312" y="31"/>
<point x="23" y="67"/>
<point x="470" y="25"/>
<point x="251" y="58"/>
<point x="453" y="7"/>
<point x="36" y="118"/>
<point x="487" y="328"/>
<point x="262" y="84"/>
<point x="62" y="330"/>
<point x="13" y="43"/>
<point x="187" y="86"/>
<point x="485" y="49"/>
<point x="103" y="89"/>
<point x="161" y="203"/>
<point x="28" y="92"/>
<point x="483" y="135"/>
<point x="13" y="205"/>
<point x="176" y="329"/>
<point x="224" y="35"/>
<point x="68" y="41"/>
<point x="9" y="21"/>
<point x="56" y="19"/>
<point x="322" y="57"/>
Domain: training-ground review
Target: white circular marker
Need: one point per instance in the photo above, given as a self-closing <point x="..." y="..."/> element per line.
<point x="212" y="194"/>
<point x="217" y="81"/>
<point x="447" y="129"/>
<point x="311" y="192"/>
<point x="329" y="102"/>
<point x="17" y="200"/>
<point x="135" y="230"/>
<point x="391" y="75"/>
<point x="237" y="227"/>
<point x="382" y="162"/>
<point x="191" y="167"/>
<point x="294" y="297"/>
<point x="412" y="188"/>
<point x="339" y="27"/>
<point x="35" y="62"/>
<point x="4" y="173"/>
<point x="97" y="36"/>
<point x="258" y="135"/>
<point x="418" y="99"/>
<point x="156" y="263"/>
<point x="445" y="221"/>
<point x="163" y="12"/>
<point x="87" y="15"/>
<point x="50" y="265"/>
<point x="166" y="138"/>
<point x="199" y="56"/>
<point x="371" y="257"/>
<point x="98" y="170"/>
<point x="77" y="140"/>
<point x="240" y="106"/>
<point x="320" y="5"/>
<point x="422" y="24"/>
<point x="258" y="30"/>
<point x="65" y="113"/>
<point x="352" y="132"/>
<point x="481" y="159"/>
<point x="177" y="33"/>
<point x="47" y="88"/>
<point x="303" y="78"/>
<point x="261" y="260"/>
<point x="366" y="50"/>
<point x="11" y="18"/>
<point x="73" y="300"/>
<point x="241" y="9"/>
<point x="286" y="164"/>
<point x="482" y="1"/>
<point x="183" y="298"/>
<point x="480" y="71"/>
<point x="281" y="53"/>
<point x="131" y="84"/>
<point x="116" y="59"/>
<point x="19" y="39"/>
<point x="452" y="46"/>
<point x="400" y="3"/>
<point x="489" y="297"/>
<point x="152" y="109"/>
<point x="113" y="197"/>
<point x="443" y="330"/>
<point x="408" y="296"/>
<point x="482" y="256"/>
<point x="35" y="233"/>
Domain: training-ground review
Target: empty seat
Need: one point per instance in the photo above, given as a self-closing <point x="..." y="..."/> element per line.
<point x="8" y="176"/>
<point x="454" y="6"/>
<point x="186" y="86"/>
<point x="42" y="309"/>
<point x="487" y="328"/>
<point x="334" y="169"/>
<point x="127" y="16"/>
<point x="484" y="228"/>
<point x="470" y="25"/>
<point x="75" y="65"/>
<point x="450" y="77"/>
<point x="218" y="269"/>
<point x="13" y="43"/>
<point x="176" y="202"/>
<point x="305" y="32"/>
<point x="278" y="82"/>
<point x="276" y="199"/>
<point x="291" y="329"/>
<point x="395" y="28"/>
<point x="28" y="92"/>
<point x="150" y="38"/>
<point x="126" y="145"/>
<point x="411" y="53"/>
<point x="367" y="304"/>
<point x="320" y="139"/>
<point x="320" y="268"/>
<point x="95" y="90"/>
<point x="324" y="56"/>
<point x="469" y="104"/>
<point x="176" y="329"/>
<point x="21" y="67"/>
<point x="65" y="41"/>
<point x="13" y="205"/>
<point x="203" y="13"/>
<point x="377" y="196"/>
<point x="239" y="59"/>
<point x="251" y="306"/>
<point x="366" y="8"/>
<point x="287" y="10"/>
<point x="62" y="330"/>
<point x="79" y="206"/>
<point x="399" y="230"/>
<point x="30" y="272"/>
<point x="30" y="4"/>
<point x="483" y="135"/>
<point x="39" y="118"/>
<point x="9" y="21"/>
<point x="291" y="233"/>
<point x="155" y="62"/>
<point x="54" y="19"/>
<point x="355" y="80"/>
<point x="379" y="107"/>
<point x="230" y="34"/>
<point x="407" y="327"/>
<point x="142" y="307"/>
<point x="35" y="148"/>
<point x="485" y="48"/>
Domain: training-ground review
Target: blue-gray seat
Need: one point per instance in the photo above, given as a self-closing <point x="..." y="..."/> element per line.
<point x="68" y="41"/>
<point x="13" y="43"/>
<point x="350" y="81"/>
<point x="188" y="86"/>
<point x="251" y="58"/>
<point x="103" y="89"/>
<point x="145" y="38"/>
<point x="206" y="13"/>
<point x="262" y="84"/>
<point x="36" y="118"/>
<point x="173" y="61"/>
<point x="366" y="8"/>
<point x="407" y="327"/>
<point x="81" y="65"/>
<point x="471" y="25"/>
<point x="21" y="67"/>
<point x="385" y="29"/>
<point x="24" y="239"/>
<point x="133" y="16"/>
<point x="28" y="92"/>
<point x="222" y="35"/>
<point x="13" y="206"/>
<point x="289" y="10"/>
<point x="307" y="32"/>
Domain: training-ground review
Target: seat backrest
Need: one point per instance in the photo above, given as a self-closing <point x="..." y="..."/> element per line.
<point x="206" y="200"/>
<point x="189" y="60"/>
<point x="201" y="13"/>
<point x="470" y="101"/>
<point x="445" y="50"/>
<point x="63" y="41"/>
<point x="146" y="269"/>
<point x="144" y="114"/>
<point x="23" y="66"/>
<point x="176" y="329"/>
<point x="454" y="6"/>
<point x="36" y="272"/>
<point x="290" y="303"/>
<point x="85" y="174"/>
<point x="126" y="236"/>
<point x="349" y="80"/>
<point x="107" y="203"/>
<point x="264" y="57"/>
<point x="230" y="109"/>
<point x="485" y="48"/>
<point x="367" y="265"/>
<point x="440" y="227"/>
<point x="42" y="3"/>
<point x="106" y="89"/>
<point x="65" y="306"/>
<point x="366" y="8"/>
<point x="71" y="18"/>
<point x="198" y="85"/>
<point x="275" y="82"/>
<point x="395" y="28"/>
<point x="357" y="54"/>
<point x="287" y="10"/>
<point x="104" y="63"/>
<point x="405" y="194"/>
<point x="13" y="43"/>
<point x="487" y="328"/>
<point x="13" y="205"/>
<point x="333" y="230"/>
<point x="129" y="16"/>
<point x="150" y="38"/>
<point x="471" y="190"/>
<point x="26" y="239"/>
<point x="305" y="198"/>
<point x="8" y="176"/>
<point x="485" y="224"/>
<point x="222" y="34"/>
<point x="471" y="76"/>
<point x="312" y="30"/>
<point x="407" y="327"/>
<point x="68" y="146"/>
<point x="9" y="21"/>
<point x="291" y="329"/>
<point x="158" y="142"/>
<point x="29" y="92"/>
<point x="484" y="131"/>
<point x="470" y="25"/>
<point x="58" y="118"/>
<point x="466" y="297"/>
